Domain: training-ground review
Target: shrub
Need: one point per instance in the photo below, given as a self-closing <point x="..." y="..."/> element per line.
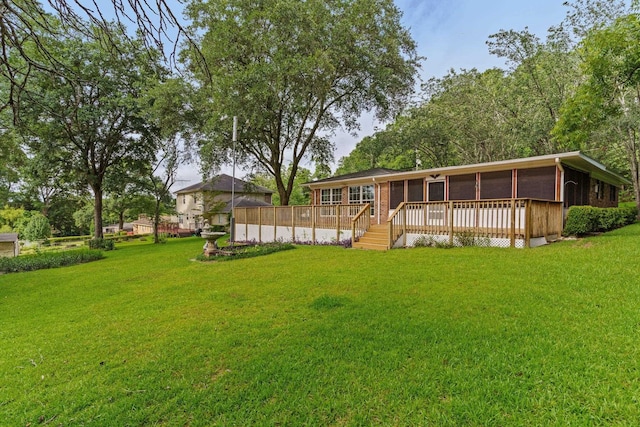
<point x="105" y="244"/>
<point x="587" y="219"/>
<point x="37" y="228"/>
<point x="48" y="260"/>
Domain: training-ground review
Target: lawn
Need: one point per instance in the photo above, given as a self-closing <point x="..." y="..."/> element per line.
<point x="327" y="336"/>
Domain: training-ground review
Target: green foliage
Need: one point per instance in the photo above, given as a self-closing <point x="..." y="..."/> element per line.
<point x="47" y="260"/>
<point x="588" y="219"/>
<point x="101" y="243"/>
<point x="298" y="71"/>
<point x="37" y="228"/>
<point x="248" y="251"/>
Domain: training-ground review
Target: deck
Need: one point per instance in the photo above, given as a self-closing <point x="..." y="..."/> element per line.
<point x="503" y="222"/>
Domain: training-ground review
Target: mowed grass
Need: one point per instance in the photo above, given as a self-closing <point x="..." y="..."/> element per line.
<point x="327" y="336"/>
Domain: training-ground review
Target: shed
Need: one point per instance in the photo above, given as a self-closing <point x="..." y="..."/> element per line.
<point x="9" y="245"/>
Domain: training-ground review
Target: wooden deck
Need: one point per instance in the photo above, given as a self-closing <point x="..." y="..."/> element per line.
<point x="504" y="222"/>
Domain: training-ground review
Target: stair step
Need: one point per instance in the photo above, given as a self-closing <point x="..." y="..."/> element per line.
<point x="376" y="238"/>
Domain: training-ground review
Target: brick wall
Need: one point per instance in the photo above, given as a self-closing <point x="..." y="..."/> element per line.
<point x="384" y="202"/>
<point x="605" y="195"/>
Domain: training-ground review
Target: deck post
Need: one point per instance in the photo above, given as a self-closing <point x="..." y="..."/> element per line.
<point x="527" y="227"/>
<point x="338" y="213"/>
<point x="293" y="225"/>
<point x="404" y="225"/>
<point x="512" y="232"/>
<point x="313" y="225"/>
<point x="451" y="222"/>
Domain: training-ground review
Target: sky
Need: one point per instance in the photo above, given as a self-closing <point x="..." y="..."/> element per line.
<point x="451" y="34"/>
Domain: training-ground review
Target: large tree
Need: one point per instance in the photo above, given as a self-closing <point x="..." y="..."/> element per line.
<point x="604" y="113"/>
<point x="293" y="72"/>
<point x="86" y="117"/>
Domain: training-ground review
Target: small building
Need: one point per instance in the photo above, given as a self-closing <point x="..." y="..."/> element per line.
<point x="212" y="200"/>
<point x="9" y="245"/>
<point x="518" y="202"/>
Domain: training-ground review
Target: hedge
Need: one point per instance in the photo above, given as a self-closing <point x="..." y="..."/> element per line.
<point x="48" y="260"/>
<point x="588" y="219"/>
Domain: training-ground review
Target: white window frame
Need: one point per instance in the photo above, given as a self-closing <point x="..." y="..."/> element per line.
<point x="357" y="196"/>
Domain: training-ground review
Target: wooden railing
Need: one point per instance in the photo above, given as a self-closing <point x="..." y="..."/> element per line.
<point x="360" y="223"/>
<point x="502" y="219"/>
<point x="283" y="222"/>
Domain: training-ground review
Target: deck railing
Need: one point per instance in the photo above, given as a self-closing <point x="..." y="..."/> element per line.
<point x="512" y="219"/>
<point x="361" y="223"/>
<point x="298" y="223"/>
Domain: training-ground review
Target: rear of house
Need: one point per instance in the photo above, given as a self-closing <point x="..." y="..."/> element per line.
<point x="517" y="202"/>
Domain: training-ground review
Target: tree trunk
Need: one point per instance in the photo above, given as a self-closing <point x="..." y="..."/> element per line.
<point x="97" y="211"/>
<point x="156" y="222"/>
<point x="121" y="220"/>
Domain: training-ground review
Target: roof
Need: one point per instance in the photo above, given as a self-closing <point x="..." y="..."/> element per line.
<point x="574" y="159"/>
<point x="244" y="202"/>
<point x="8" y="237"/>
<point x="223" y="183"/>
<point x="367" y="173"/>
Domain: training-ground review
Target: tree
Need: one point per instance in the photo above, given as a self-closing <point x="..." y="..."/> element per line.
<point x="604" y="113"/>
<point x="89" y="119"/>
<point x="299" y="195"/>
<point x="37" y="228"/>
<point x="294" y="72"/>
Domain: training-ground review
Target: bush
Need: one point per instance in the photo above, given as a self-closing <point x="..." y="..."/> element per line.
<point x="37" y="228"/>
<point x="588" y="219"/>
<point x="48" y="260"/>
<point x="105" y="244"/>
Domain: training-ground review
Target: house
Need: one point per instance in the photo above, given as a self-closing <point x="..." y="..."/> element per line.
<point x="212" y="200"/>
<point x="9" y="245"/>
<point x="115" y="228"/>
<point x="517" y="202"/>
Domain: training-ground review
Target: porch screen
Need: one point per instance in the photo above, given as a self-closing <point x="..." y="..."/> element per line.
<point x="537" y="183"/>
<point x="462" y="187"/>
<point x="436" y="191"/>
<point x="415" y="190"/>
<point x="396" y="195"/>
<point x="576" y="187"/>
<point x="495" y="185"/>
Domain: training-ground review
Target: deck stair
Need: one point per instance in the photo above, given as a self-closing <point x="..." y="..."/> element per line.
<point x="375" y="238"/>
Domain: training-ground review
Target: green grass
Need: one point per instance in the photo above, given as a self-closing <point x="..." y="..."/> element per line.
<point x="328" y="336"/>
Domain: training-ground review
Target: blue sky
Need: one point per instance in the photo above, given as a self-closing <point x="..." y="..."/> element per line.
<point x="450" y="34"/>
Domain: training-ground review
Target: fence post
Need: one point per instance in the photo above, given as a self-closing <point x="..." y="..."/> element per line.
<point x="259" y="224"/>
<point x="275" y="224"/>
<point x="293" y="225"/>
<point x="513" y="224"/>
<point x="404" y="225"/>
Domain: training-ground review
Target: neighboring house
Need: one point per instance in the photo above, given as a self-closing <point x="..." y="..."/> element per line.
<point x="115" y="228"/>
<point x="521" y="199"/>
<point x="213" y="200"/>
<point x="9" y="245"/>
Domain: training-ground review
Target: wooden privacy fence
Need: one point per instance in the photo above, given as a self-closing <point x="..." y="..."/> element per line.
<point x="505" y="219"/>
<point x="508" y="220"/>
<point x="312" y="224"/>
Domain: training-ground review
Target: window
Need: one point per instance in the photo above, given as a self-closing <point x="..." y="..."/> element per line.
<point x="396" y="194"/>
<point x="599" y="189"/>
<point x="436" y="191"/>
<point x="362" y="194"/>
<point x="184" y="199"/>
<point x="495" y="185"/>
<point x="613" y="193"/>
<point x="462" y="187"/>
<point x="415" y="190"/>
<point x="537" y="183"/>
<point x="331" y="196"/>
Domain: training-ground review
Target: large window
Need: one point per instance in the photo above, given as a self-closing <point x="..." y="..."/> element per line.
<point x="331" y="196"/>
<point x="415" y="190"/>
<point x="396" y="195"/>
<point x="436" y="191"/>
<point x="537" y="183"/>
<point x="362" y="194"/>
<point x="462" y="187"/>
<point x="495" y="185"/>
